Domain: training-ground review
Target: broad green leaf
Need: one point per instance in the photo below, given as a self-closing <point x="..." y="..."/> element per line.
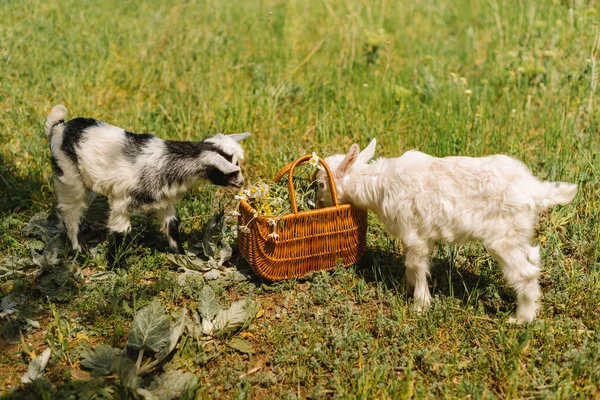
<point x="54" y="274"/>
<point x="126" y="370"/>
<point x="101" y="361"/>
<point x="207" y="326"/>
<point x="36" y="245"/>
<point x="54" y="286"/>
<point x="207" y="304"/>
<point x="10" y="305"/>
<point x="212" y="232"/>
<point x="42" y="226"/>
<point x="177" y="382"/>
<point x="10" y="269"/>
<point x="212" y="275"/>
<point x="192" y="325"/>
<point x="150" y="328"/>
<point x="14" y="263"/>
<point x="233" y="318"/>
<point x="103" y="276"/>
<point x="241" y="345"/>
<point x="188" y="261"/>
<point x="170" y="385"/>
<point x="11" y="331"/>
<point x="225" y="252"/>
<point x="147" y="394"/>
<point x="32" y="323"/>
<point x="176" y="332"/>
<point x="212" y="263"/>
<point x="36" y="367"/>
<point x="182" y="279"/>
<point x="49" y="258"/>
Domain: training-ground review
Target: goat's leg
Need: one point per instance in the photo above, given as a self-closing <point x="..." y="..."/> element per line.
<point x="417" y="256"/>
<point x="72" y="202"/>
<point x="118" y="225"/>
<point x="169" y="225"/>
<point x="520" y="264"/>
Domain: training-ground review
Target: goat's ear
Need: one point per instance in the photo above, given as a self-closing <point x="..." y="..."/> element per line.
<point x="368" y="153"/>
<point x="348" y="161"/>
<point x="219" y="162"/>
<point x="239" y="136"/>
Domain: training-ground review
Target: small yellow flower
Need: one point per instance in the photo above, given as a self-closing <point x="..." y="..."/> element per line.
<point x="468" y="92"/>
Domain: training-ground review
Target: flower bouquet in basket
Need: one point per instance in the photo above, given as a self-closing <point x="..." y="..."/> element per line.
<point x="281" y="233"/>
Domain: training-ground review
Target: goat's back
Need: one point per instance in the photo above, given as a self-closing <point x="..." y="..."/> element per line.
<point x="458" y="199"/>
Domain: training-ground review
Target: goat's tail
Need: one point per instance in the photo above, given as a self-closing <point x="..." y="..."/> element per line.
<point x="56" y="117"/>
<point x="556" y="193"/>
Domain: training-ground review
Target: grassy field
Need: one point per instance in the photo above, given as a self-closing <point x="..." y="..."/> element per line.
<point x="447" y="77"/>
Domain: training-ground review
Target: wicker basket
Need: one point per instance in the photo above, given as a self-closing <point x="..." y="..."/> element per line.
<point x="309" y="241"/>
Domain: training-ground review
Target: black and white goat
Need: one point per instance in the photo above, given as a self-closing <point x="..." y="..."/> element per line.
<point x="134" y="171"/>
<point x="423" y="199"/>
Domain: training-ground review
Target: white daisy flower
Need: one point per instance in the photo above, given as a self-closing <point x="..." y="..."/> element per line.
<point x="263" y="190"/>
<point x="253" y="192"/>
<point x="274" y="235"/>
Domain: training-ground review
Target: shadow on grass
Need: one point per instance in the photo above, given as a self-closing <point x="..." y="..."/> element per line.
<point x="145" y="230"/>
<point x="446" y="280"/>
<point x="17" y="189"/>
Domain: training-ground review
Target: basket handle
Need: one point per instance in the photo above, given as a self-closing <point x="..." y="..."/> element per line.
<point x="289" y="169"/>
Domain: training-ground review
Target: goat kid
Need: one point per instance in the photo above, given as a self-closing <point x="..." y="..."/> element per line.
<point x="423" y="199"/>
<point x="134" y="171"/>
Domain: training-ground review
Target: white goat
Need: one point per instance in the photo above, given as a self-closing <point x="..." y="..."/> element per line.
<point x="133" y="171"/>
<point x="423" y="199"/>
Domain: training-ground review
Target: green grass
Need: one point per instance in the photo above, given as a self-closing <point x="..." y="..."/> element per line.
<point x="447" y="77"/>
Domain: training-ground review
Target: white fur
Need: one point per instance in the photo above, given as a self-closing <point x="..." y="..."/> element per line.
<point x="104" y="167"/>
<point x="423" y="199"/>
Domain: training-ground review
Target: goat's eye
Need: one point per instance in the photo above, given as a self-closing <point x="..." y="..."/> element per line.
<point x="321" y="185"/>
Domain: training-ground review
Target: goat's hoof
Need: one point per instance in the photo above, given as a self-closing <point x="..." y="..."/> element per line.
<point x="519" y="321"/>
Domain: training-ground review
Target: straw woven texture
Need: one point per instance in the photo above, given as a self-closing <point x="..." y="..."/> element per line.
<point x="308" y="241"/>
